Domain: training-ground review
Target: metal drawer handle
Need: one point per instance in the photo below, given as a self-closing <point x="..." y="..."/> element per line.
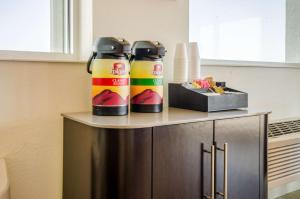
<point x="225" y="170"/>
<point x="213" y="162"/>
<point x="225" y="183"/>
<point x="213" y="158"/>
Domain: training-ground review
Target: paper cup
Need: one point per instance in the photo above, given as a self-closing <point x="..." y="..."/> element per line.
<point x="193" y="50"/>
<point x="180" y="71"/>
<point x="181" y="51"/>
<point x="194" y="62"/>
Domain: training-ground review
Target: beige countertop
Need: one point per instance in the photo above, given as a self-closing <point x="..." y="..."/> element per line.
<point x="168" y="117"/>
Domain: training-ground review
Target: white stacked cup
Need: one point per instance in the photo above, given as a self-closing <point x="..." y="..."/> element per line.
<point x="180" y="70"/>
<point x="194" y="62"/>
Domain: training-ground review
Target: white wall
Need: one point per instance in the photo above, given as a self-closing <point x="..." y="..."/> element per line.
<point x="275" y="89"/>
<point x="33" y="95"/>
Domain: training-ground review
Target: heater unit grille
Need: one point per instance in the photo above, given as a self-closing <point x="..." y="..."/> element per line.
<point x="284" y="152"/>
<point x="284" y="128"/>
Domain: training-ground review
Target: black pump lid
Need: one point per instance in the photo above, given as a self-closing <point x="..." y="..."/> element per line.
<point x="148" y="48"/>
<point x="112" y="45"/>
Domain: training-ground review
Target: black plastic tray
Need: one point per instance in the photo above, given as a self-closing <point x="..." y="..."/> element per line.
<point x="197" y="99"/>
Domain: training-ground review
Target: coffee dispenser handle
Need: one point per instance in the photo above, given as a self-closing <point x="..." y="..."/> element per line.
<point x="131" y="57"/>
<point x="94" y="54"/>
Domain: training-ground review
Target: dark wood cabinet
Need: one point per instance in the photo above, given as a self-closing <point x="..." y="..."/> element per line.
<point x="178" y="156"/>
<point x="106" y="163"/>
<point x="242" y="136"/>
<point x="220" y="157"/>
<point x="182" y="159"/>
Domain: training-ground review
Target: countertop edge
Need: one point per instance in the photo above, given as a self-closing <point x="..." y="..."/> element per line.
<point x="137" y="126"/>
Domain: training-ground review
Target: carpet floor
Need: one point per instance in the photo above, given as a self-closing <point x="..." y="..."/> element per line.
<point x="292" y="195"/>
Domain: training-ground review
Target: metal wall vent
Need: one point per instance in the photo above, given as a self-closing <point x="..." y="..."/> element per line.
<point x="284" y="128"/>
<point x="284" y="152"/>
<point x="283" y="161"/>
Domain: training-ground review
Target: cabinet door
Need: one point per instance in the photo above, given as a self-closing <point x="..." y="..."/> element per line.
<point x="121" y="164"/>
<point x="177" y="161"/>
<point x="106" y="163"/>
<point x="243" y="138"/>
